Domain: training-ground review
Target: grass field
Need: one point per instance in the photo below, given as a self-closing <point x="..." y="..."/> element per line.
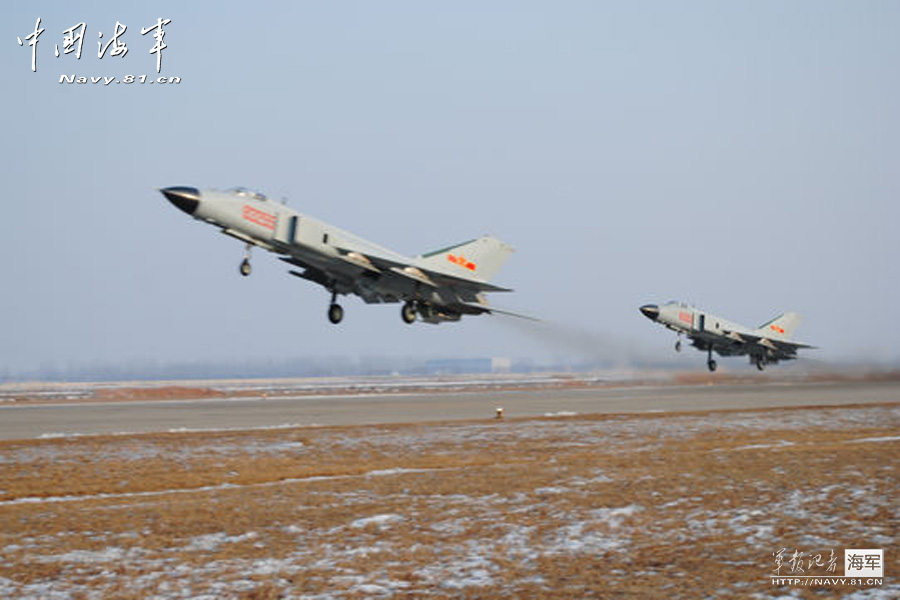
<point x="675" y="506"/>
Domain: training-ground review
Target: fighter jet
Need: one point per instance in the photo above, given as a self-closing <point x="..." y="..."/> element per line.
<point x="767" y="344"/>
<point x="437" y="286"/>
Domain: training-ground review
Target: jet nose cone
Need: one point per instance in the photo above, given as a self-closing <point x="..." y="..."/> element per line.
<point x="651" y="311"/>
<point x="185" y="198"/>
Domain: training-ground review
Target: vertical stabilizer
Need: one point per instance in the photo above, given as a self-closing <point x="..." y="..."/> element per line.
<point x="480" y="258"/>
<point x="782" y="327"/>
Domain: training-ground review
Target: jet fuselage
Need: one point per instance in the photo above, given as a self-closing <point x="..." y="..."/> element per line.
<point x="438" y="286"/>
<point x="768" y="343"/>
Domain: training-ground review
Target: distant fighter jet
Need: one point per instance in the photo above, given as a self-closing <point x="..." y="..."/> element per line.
<point x="768" y="343"/>
<point x="437" y="286"/>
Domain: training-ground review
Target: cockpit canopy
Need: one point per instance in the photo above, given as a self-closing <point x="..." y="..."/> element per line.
<point x="678" y="303"/>
<point x="248" y="193"/>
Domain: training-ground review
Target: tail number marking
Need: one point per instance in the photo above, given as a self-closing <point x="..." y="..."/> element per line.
<point x="259" y="217"/>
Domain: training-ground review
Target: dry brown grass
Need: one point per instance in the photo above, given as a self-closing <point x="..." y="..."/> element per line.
<point x="87" y="392"/>
<point x="164" y="392"/>
<point x="680" y="506"/>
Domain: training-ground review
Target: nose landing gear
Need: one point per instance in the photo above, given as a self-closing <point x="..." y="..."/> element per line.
<point x="246" y="268"/>
<point x="335" y="313"/>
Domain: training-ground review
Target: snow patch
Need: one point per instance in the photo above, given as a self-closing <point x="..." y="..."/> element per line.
<point x="89" y="556"/>
<point x="381" y="521"/>
<point x="778" y="444"/>
<point x="613" y="517"/>
<point x="213" y="488"/>
<point x="236" y="429"/>
<point x="895" y="438"/>
<point x="211" y="541"/>
<point x="472" y="569"/>
<point x="888" y="592"/>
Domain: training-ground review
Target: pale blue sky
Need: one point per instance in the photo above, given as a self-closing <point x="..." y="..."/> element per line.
<point x="742" y="156"/>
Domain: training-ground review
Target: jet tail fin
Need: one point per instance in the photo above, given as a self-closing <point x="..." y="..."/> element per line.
<point x="781" y="327"/>
<point x="480" y="258"/>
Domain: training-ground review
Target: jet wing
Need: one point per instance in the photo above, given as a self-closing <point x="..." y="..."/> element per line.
<point x="429" y="277"/>
<point x="781" y="347"/>
<point x="344" y="267"/>
<point x="377" y="278"/>
<point x="771" y="343"/>
<point x="474" y="285"/>
<point x="785" y="345"/>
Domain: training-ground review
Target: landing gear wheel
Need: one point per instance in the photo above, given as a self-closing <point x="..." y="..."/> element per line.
<point x="408" y="312"/>
<point x="678" y="345"/>
<point x="335" y="313"/>
<point x="760" y="364"/>
<point x="246" y="269"/>
<point x="712" y="365"/>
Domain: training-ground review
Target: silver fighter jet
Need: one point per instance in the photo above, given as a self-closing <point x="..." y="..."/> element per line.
<point x="437" y="286"/>
<point x="767" y="344"/>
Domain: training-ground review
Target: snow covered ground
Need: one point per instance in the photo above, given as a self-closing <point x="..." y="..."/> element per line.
<point x="680" y="506"/>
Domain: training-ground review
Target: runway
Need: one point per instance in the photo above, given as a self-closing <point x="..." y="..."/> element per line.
<point x="65" y="419"/>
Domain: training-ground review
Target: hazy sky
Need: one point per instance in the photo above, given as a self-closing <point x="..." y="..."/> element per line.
<point x="742" y="156"/>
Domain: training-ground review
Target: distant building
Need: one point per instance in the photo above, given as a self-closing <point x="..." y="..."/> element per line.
<point x="468" y="366"/>
<point x="501" y="365"/>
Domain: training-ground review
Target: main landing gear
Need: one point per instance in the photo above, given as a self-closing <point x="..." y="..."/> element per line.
<point x="678" y="344"/>
<point x="335" y="310"/>
<point x="246" y="269"/>
<point x="760" y="363"/>
<point x="710" y="363"/>
<point x="408" y="312"/>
